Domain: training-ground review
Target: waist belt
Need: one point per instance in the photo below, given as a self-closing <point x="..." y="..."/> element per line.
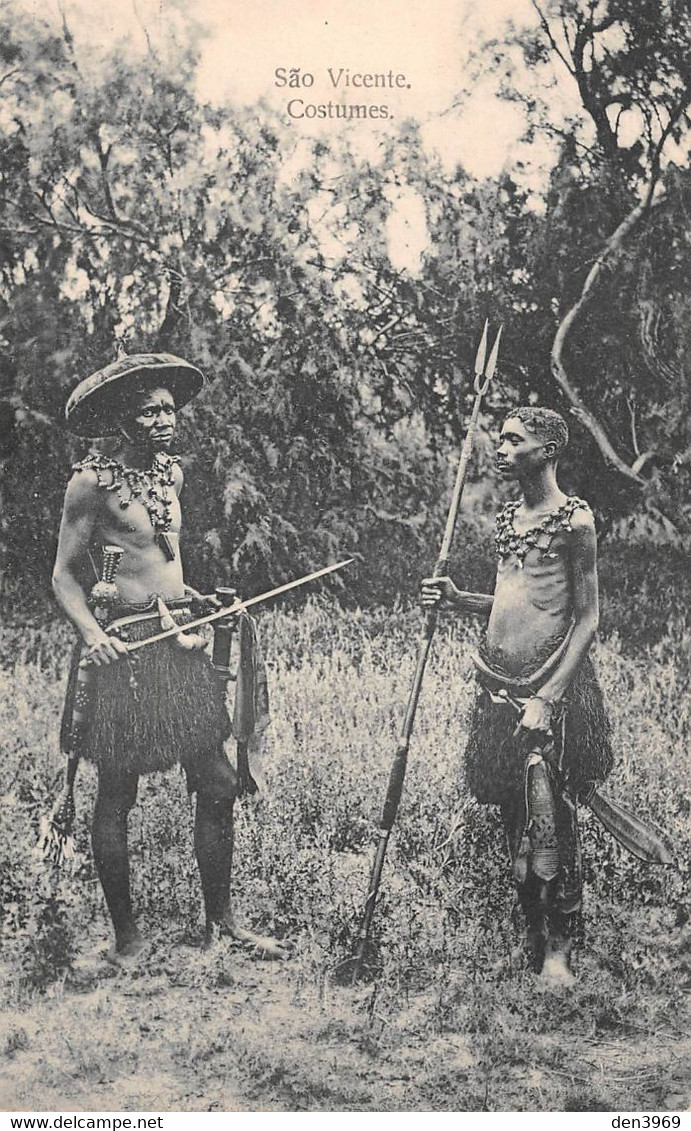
<point x="520" y="687"/>
<point x="138" y="612"/>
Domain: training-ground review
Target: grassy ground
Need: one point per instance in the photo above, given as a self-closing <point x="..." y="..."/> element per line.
<point x="450" y="1018"/>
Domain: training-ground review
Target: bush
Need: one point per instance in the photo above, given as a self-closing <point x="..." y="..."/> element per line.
<point x="645" y="591"/>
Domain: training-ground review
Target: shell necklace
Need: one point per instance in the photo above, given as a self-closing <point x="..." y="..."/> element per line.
<point x="508" y="541"/>
<point x="151" y="487"/>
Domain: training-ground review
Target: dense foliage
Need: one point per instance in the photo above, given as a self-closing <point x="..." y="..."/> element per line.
<point x="134" y="217"/>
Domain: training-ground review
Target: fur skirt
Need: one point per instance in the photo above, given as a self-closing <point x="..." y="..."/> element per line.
<point x="494" y="753"/>
<point x="149" y="711"/>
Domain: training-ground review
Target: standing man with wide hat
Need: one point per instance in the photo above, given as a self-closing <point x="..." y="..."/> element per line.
<point x="121" y="522"/>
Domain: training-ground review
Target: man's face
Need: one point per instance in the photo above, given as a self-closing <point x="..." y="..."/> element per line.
<point x="152" y="421"/>
<point x="519" y="452"/>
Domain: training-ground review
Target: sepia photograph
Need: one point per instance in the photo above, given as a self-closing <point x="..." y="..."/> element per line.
<point x="345" y="645"/>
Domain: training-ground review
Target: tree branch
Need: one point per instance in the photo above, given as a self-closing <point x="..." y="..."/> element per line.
<point x="103" y="162"/>
<point x="631" y="405"/>
<point x="173" y="313"/>
<point x="119" y="223"/>
<point x="611" y="249"/>
<point x="578" y="407"/>
<point x="8" y="75"/>
<point x="656" y="158"/>
<point x="544" y="23"/>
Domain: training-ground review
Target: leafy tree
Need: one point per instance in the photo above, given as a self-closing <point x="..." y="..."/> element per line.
<point x="134" y="217"/>
<point x="621" y="180"/>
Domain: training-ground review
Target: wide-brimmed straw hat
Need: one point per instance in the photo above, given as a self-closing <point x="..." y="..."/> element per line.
<point x="93" y="408"/>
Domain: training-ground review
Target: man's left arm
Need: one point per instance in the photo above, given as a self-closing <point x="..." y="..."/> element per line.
<point x="586" y="614"/>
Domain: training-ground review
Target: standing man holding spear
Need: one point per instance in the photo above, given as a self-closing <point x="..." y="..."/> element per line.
<point x="539" y="737"/>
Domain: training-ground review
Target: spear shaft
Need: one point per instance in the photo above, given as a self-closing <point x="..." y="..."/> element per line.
<point x="400" y="761"/>
<point x="238" y="606"/>
<point x="219" y="614"/>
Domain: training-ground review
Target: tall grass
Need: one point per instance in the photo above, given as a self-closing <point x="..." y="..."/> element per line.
<point x="445" y="926"/>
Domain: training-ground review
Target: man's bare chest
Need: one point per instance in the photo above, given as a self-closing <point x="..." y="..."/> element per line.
<point x="139" y="507"/>
<point x="142" y="519"/>
<point x="539" y="582"/>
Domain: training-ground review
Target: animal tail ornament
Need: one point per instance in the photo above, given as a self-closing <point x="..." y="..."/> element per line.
<point x="251" y="708"/>
<point x="55" y="838"/>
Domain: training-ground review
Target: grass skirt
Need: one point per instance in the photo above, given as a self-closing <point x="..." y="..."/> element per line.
<point x="494" y="757"/>
<point x="150" y="711"/>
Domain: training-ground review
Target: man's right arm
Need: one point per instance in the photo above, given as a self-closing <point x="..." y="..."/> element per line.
<point x="434" y="589"/>
<point x="79" y="517"/>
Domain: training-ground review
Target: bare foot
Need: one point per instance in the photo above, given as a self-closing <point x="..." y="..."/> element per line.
<point x="555" y="971"/>
<point x="267" y="946"/>
<point x="127" y="951"/>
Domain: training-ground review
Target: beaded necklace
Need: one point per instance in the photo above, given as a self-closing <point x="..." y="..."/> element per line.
<point x="150" y="487"/>
<point x="508" y="541"/>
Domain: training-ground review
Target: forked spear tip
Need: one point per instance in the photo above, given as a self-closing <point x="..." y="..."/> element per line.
<point x="492" y="363"/>
<point x="482" y="351"/>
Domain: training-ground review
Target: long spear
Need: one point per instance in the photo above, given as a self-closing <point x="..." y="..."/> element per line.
<point x="400" y="762"/>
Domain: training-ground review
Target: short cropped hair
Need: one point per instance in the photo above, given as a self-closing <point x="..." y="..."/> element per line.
<point x="544" y="423"/>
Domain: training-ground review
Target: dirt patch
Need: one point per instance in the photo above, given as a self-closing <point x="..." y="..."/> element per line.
<point x="226" y="1032"/>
